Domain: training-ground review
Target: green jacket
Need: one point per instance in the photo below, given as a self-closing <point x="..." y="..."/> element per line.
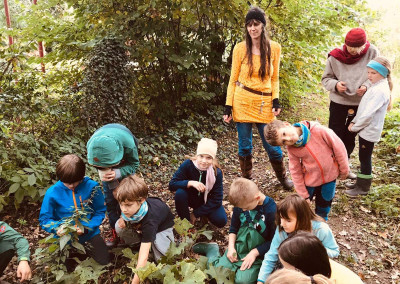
<point x="114" y="145"/>
<point x="11" y="239"/>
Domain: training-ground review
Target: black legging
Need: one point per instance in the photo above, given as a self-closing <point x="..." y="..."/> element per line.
<point x="339" y="121"/>
<point x="95" y="248"/>
<point x="5" y="258"/>
<point x="365" y="155"/>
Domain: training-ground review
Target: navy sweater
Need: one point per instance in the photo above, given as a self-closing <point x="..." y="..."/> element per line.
<point x="186" y="172"/>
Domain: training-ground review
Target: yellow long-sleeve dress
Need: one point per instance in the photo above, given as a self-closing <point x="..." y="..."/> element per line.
<point x="247" y="106"/>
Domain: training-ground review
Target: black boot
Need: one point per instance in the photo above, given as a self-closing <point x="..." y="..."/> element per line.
<point x="246" y="166"/>
<point x="280" y="171"/>
<point x="362" y="186"/>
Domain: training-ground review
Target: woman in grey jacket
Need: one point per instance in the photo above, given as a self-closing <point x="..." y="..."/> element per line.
<point x="369" y="121"/>
<point x="346" y="80"/>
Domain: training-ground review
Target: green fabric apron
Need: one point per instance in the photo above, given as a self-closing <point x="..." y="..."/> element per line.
<point x="248" y="237"/>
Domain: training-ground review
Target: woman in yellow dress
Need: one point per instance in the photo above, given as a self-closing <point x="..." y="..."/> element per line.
<point x="253" y="93"/>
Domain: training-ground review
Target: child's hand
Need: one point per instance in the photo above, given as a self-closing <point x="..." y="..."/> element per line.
<point x="361" y="91"/>
<point x="192" y="218"/>
<point x="232" y="255"/>
<point x="350" y="126"/>
<point x="249" y="259"/>
<point x="24" y="270"/>
<point x="197" y="185"/>
<point x="109" y="176"/>
<point x="276" y="111"/>
<point x="78" y="230"/>
<point x="121" y="223"/>
<point x="341" y="86"/>
<point x="60" y="231"/>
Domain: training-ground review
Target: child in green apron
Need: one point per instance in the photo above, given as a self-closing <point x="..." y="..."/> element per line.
<point x="250" y="234"/>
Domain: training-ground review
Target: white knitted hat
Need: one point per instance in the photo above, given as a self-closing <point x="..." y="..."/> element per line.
<point x="207" y="146"/>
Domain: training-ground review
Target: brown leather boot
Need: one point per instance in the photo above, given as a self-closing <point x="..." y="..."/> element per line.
<point x="280" y="171"/>
<point x="246" y="166"/>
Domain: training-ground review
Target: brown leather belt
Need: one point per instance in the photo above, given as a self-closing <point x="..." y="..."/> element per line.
<point x="251" y="90"/>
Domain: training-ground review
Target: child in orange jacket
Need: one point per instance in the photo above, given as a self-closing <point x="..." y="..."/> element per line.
<point x="317" y="157"/>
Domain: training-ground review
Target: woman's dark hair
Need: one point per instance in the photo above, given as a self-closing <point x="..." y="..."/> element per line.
<point x="265" y="49"/>
<point x="296" y="205"/>
<point x="70" y="168"/>
<point x="305" y="252"/>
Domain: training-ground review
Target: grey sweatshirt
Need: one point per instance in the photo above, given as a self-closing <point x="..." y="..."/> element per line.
<point x="355" y="75"/>
<point x="371" y="112"/>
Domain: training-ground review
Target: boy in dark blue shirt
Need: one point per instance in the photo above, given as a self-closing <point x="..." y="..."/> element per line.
<point x="250" y="234"/>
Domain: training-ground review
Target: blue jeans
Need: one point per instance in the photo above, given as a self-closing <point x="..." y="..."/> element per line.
<point x="185" y="198"/>
<point x="112" y="205"/>
<point x="324" y="195"/>
<point x="245" y="133"/>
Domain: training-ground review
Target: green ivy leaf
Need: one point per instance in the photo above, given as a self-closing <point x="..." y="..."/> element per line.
<point x="31" y="179"/>
<point x="28" y="170"/>
<point x="14" y="187"/>
<point x="192" y="275"/>
<point x="59" y="274"/>
<point x="207" y="234"/>
<point x="19" y="195"/>
<point x="221" y="274"/>
<point x="78" y="246"/>
<point x="182" y="226"/>
<point x="53" y="248"/>
<point x="145" y="271"/>
<point x="16" y="179"/>
<point x="64" y="240"/>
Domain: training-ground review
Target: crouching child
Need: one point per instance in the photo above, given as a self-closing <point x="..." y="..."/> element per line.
<point x="145" y="220"/>
<point x="250" y="234"/>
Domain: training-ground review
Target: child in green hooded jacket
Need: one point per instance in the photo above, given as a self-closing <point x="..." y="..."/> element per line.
<point x="112" y="149"/>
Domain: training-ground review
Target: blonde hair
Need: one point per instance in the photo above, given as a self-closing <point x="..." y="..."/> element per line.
<point x="289" y="276"/>
<point x="215" y="163"/>
<point x="385" y="62"/>
<point x="357" y="50"/>
<point x="241" y="191"/>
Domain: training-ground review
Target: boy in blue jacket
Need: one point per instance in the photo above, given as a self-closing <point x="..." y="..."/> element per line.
<point x="73" y="191"/>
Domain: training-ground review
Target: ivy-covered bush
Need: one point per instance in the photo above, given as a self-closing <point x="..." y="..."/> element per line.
<point x="106" y="87"/>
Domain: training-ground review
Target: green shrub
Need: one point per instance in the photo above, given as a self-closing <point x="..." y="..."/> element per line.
<point x="384" y="200"/>
<point x="391" y="130"/>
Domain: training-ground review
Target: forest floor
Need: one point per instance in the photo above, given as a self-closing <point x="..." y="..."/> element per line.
<point x="369" y="243"/>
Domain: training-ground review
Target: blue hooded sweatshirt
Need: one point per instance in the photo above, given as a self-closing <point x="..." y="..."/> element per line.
<point x="58" y="203"/>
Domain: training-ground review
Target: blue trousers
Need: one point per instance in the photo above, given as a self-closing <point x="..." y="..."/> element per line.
<point x="189" y="198"/>
<point x="245" y="143"/>
<point x="112" y="205"/>
<point x="323" y="197"/>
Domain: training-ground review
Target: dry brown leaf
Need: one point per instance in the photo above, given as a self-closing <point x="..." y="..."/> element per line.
<point x="365" y="210"/>
<point x="383" y="234"/>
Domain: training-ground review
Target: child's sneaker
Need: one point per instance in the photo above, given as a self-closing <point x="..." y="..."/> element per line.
<point x="113" y="240"/>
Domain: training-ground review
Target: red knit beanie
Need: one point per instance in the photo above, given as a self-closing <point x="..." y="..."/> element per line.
<point x="356" y="37"/>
